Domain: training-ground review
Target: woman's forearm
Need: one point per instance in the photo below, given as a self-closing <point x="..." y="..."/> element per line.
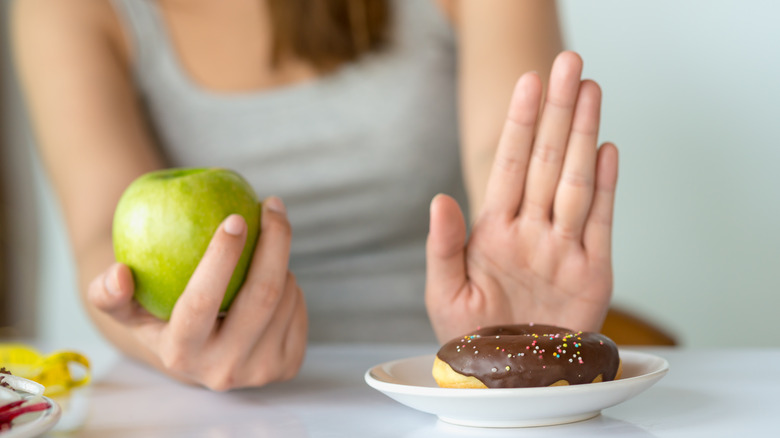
<point x="497" y="44"/>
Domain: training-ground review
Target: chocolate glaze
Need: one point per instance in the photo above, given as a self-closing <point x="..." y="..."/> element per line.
<point x="527" y="355"/>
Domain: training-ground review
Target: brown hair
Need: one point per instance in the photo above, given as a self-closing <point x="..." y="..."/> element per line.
<point x="327" y="33"/>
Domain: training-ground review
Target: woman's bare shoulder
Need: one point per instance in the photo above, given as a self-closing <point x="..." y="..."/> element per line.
<point x="66" y="24"/>
<point x="91" y="13"/>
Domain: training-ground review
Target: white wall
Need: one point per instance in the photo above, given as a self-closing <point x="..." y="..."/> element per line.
<point x="692" y="97"/>
<point x="691" y="94"/>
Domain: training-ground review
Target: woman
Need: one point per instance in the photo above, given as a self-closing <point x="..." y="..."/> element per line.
<point x="357" y="135"/>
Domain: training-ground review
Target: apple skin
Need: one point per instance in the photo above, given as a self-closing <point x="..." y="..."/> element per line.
<point x="164" y="222"/>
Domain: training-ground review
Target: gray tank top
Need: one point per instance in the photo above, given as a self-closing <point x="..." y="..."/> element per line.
<point x="356" y="156"/>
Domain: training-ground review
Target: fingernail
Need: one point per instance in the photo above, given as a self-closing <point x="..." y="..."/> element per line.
<point x="110" y="282"/>
<point x="275" y="204"/>
<point x="234" y="224"/>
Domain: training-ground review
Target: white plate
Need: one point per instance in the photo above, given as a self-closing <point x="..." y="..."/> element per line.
<point x="409" y="381"/>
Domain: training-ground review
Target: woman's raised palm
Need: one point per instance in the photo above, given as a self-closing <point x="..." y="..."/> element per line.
<point x="540" y="249"/>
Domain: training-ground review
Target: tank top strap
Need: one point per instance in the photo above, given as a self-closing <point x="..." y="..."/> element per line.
<point x="145" y="28"/>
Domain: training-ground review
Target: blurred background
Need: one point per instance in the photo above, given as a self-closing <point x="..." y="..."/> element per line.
<point x="691" y="98"/>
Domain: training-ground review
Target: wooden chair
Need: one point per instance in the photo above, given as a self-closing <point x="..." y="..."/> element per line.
<point x="626" y="328"/>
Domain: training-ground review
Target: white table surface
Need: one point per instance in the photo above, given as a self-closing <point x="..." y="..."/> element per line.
<point x="707" y="393"/>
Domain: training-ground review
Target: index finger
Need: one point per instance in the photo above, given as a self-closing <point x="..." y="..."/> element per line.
<point x="264" y="287"/>
<point x="506" y="182"/>
<point x="195" y="313"/>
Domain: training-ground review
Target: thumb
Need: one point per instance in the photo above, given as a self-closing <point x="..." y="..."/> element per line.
<point x="445" y="250"/>
<point x="112" y="292"/>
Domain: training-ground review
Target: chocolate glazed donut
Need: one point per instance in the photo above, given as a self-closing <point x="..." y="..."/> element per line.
<point x="526" y="355"/>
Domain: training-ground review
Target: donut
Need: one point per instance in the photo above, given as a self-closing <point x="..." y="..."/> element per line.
<point x="526" y="355"/>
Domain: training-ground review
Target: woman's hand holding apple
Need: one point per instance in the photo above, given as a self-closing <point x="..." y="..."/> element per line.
<point x="540" y="250"/>
<point x="261" y="339"/>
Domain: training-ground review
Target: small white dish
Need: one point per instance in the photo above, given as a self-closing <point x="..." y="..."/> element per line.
<point x="31" y="424"/>
<point x="409" y="381"/>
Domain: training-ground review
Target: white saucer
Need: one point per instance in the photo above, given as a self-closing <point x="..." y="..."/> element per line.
<point x="409" y="381"/>
<point x="31" y="424"/>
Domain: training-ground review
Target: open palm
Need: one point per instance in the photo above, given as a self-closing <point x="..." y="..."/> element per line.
<point x="540" y="249"/>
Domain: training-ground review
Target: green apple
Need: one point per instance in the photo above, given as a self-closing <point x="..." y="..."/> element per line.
<point x="164" y="222"/>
